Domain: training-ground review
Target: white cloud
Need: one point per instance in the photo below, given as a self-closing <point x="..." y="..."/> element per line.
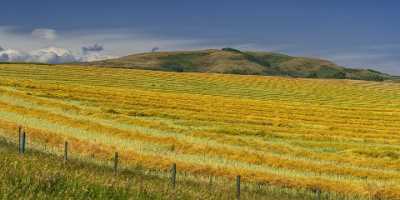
<point x="44" y="33"/>
<point x="44" y="46"/>
<point x="52" y="55"/>
<point x="10" y="55"/>
<point x="48" y="55"/>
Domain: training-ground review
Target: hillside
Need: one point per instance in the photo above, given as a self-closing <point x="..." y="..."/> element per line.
<point x="232" y="61"/>
<point x="336" y="136"/>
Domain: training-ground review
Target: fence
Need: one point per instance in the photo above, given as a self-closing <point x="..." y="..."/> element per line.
<point x="22" y="141"/>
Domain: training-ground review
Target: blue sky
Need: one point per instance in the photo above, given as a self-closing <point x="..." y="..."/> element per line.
<point x="357" y="33"/>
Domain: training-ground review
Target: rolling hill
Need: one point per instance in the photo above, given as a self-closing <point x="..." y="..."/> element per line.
<point x="232" y="61"/>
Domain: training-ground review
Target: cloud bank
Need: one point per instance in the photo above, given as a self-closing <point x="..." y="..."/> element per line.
<point x="47" y="46"/>
<point x="52" y="55"/>
<point x="47" y="55"/>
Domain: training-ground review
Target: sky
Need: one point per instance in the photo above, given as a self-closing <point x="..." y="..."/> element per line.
<point x="354" y="33"/>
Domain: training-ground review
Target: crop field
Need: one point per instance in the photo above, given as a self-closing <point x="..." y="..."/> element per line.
<point x="337" y="136"/>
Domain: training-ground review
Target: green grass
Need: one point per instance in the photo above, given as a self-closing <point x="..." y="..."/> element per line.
<point x="37" y="175"/>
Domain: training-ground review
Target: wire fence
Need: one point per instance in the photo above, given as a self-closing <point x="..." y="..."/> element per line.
<point x="236" y="188"/>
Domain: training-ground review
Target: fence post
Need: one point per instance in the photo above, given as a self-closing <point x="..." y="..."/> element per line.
<point x="116" y="163"/>
<point x="22" y="141"/>
<point x="210" y="184"/>
<point x="173" y="175"/>
<point x="65" y="152"/>
<point x="238" y="187"/>
<point x="141" y="183"/>
<point x="318" y="194"/>
<point x="19" y="139"/>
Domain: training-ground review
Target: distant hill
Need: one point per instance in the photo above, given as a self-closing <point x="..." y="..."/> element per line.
<point x="232" y="61"/>
<point x="396" y="79"/>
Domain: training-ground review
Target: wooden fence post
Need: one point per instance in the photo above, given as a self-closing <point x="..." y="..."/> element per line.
<point x="116" y="163"/>
<point x="65" y="152"/>
<point x="19" y="139"/>
<point x="141" y="183"/>
<point x="22" y="141"/>
<point x="210" y="184"/>
<point x="173" y="175"/>
<point x="238" y="187"/>
<point x="318" y="194"/>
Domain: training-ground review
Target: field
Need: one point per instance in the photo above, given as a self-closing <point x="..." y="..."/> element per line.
<point x="337" y="136"/>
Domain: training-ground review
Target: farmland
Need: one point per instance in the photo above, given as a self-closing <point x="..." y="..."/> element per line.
<point x="337" y="136"/>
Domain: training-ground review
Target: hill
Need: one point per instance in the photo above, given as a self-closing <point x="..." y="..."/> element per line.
<point x="232" y="61"/>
